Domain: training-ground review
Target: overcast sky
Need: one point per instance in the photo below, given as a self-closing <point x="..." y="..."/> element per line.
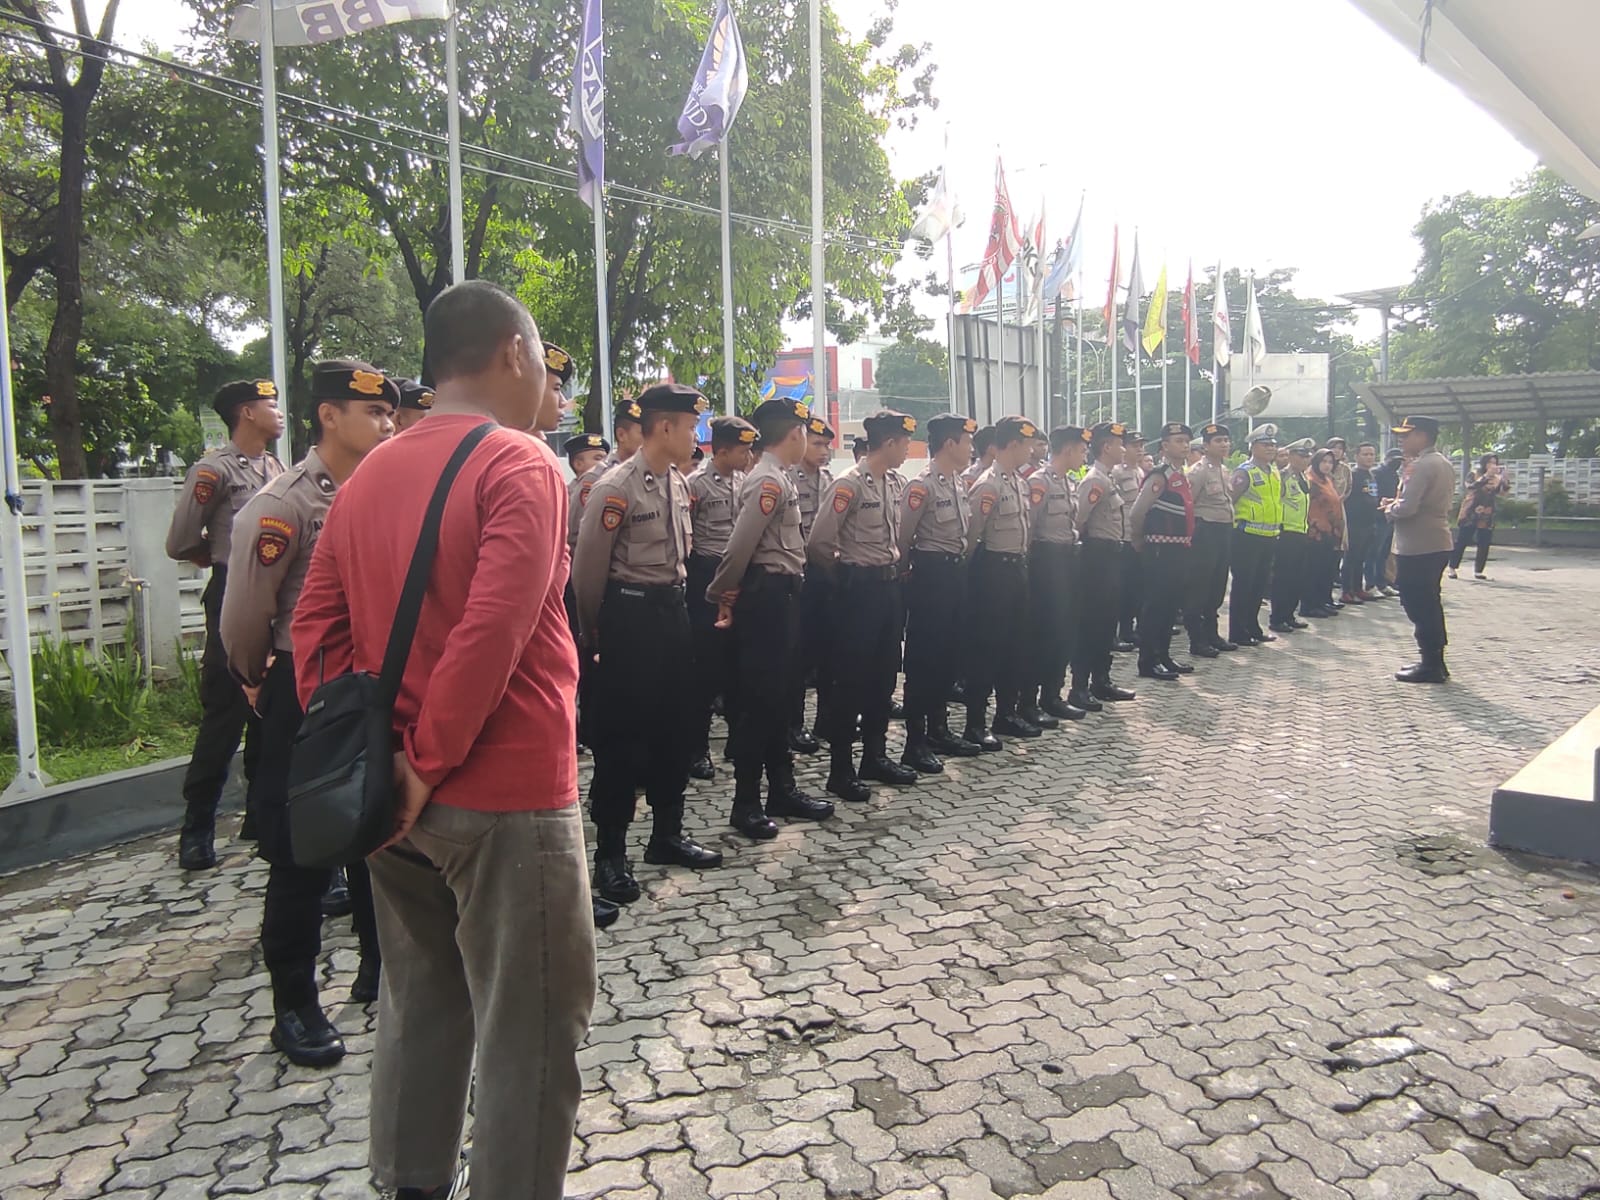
<point x="1266" y="133"/>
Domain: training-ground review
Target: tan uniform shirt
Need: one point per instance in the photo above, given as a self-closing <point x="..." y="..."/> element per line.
<point x="811" y="488"/>
<point x="214" y="491"/>
<point x="766" y="532"/>
<point x="1128" y="481"/>
<point x="1212" y="500"/>
<point x="578" y="495"/>
<point x="711" y="505"/>
<point x="856" y="523"/>
<point x="934" y="514"/>
<point x="1052" y="507"/>
<point x="276" y="533"/>
<point x="970" y="475"/>
<point x="1421" y="512"/>
<point x="999" y="513"/>
<point x="635" y="529"/>
<point x="1102" y="511"/>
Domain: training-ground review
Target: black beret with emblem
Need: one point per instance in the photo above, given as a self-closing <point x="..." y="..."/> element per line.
<point x="672" y="398"/>
<point x="1175" y="429"/>
<point x="817" y="427"/>
<point x="627" y="410"/>
<point x="1063" y="436"/>
<point x="731" y="431"/>
<point x="949" y="427"/>
<point x="887" y="423"/>
<point x="418" y="397"/>
<point x="859" y="445"/>
<point x="242" y="391"/>
<point x="1012" y="429"/>
<point x="559" y="363"/>
<point x="983" y="439"/>
<point x="1105" y="432"/>
<point x="580" y="442"/>
<point x="1215" y="429"/>
<point x="351" y="379"/>
<point x="777" y="417"/>
<point x="1130" y="436"/>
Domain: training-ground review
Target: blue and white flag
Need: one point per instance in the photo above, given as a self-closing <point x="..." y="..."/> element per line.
<point x="1064" y="262"/>
<point x="312" y="22"/>
<point x="589" y="105"/>
<point x="718" y="89"/>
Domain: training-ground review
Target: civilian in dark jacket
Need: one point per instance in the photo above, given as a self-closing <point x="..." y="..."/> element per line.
<point x="1361" y="517"/>
<point x="1388" y="480"/>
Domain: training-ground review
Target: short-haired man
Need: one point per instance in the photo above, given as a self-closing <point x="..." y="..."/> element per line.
<point x="982" y="456"/>
<point x="1420" y="514"/>
<point x="1257" y="494"/>
<point x="415" y="401"/>
<point x="276" y="534"/>
<point x="1388" y="478"/>
<point x="1360" y="521"/>
<point x="486" y="775"/>
<point x="584" y="452"/>
<point x="1161" y="525"/>
<point x="216" y="488"/>
<point x="1103" y="532"/>
<point x="812" y="479"/>
<point x="1055" y="577"/>
<point x="1213" y="536"/>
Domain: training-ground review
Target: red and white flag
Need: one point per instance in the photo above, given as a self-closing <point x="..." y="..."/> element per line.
<point x="1005" y="240"/>
<point x="1221" y="325"/>
<point x="1110" y="310"/>
<point x="1191" y="324"/>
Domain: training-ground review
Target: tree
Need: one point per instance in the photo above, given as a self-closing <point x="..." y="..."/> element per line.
<point x="914" y="377"/>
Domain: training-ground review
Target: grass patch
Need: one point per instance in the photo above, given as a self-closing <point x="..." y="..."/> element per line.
<point x="165" y="729"/>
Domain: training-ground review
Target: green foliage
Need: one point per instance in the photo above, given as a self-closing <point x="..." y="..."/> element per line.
<point x="88" y="699"/>
<point x="914" y="377"/>
<point x="186" y="693"/>
<point x="1514" y="511"/>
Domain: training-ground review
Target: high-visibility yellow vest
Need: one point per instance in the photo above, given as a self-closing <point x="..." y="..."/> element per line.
<point x="1260" y="509"/>
<point x="1296" y="503"/>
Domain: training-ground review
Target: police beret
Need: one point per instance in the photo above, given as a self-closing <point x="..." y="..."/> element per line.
<point x="858" y="444"/>
<point x="949" y="425"/>
<point x="559" y="363"/>
<point x="415" y="396"/>
<point x="579" y="442"/>
<point x="1176" y="429"/>
<point x="1425" y="424"/>
<point x="1106" y="431"/>
<point x="627" y="410"/>
<point x="672" y="398"/>
<point x="770" y="413"/>
<point x="1215" y="430"/>
<point x="242" y="391"/>
<point x="1008" y="430"/>
<point x="1303" y="446"/>
<point x="352" y="379"/>
<point x="983" y="439"/>
<point x="1063" y="436"/>
<point x="817" y="427"/>
<point x="1132" y="435"/>
<point x="731" y="431"/>
<point x="887" y="423"/>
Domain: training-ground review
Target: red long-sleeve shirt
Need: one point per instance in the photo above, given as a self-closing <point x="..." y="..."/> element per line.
<point x="487" y="707"/>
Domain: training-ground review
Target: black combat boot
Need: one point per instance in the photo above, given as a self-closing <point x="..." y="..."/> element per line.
<point x="613" y="874"/>
<point x="918" y="754"/>
<point x="670" y="847"/>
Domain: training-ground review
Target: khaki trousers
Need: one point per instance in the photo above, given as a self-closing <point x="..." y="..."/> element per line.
<point x="487" y="934"/>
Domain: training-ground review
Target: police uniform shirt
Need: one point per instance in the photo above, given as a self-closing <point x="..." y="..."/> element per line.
<point x="711" y="508"/>
<point x="811" y="487"/>
<point x="1128" y="481"/>
<point x="970" y="476"/>
<point x="897" y="485"/>
<point x="1102" y="511"/>
<point x="766" y="532"/>
<point x="1052" y="507"/>
<point x="578" y="495"/>
<point x="934" y="514"/>
<point x="275" y="534"/>
<point x="1212" y="501"/>
<point x="999" y="512"/>
<point x="635" y="530"/>
<point x="216" y="488"/>
<point x="856" y="522"/>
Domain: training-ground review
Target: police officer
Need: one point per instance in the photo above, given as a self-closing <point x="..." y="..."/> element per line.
<point x="584" y="451"/>
<point x="625" y="427"/>
<point x="1293" y="551"/>
<point x="1103" y="531"/>
<point x="1213" y="533"/>
<point x="627" y="579"/>
<point x="1053" y="571"/>
<point x="812" y="479"/>
<point x="756" y="592"/>
<point x="1257" y="521"/>
<point x="712" y="491"/>
<point x="997" y="546"/>
<point x="1128" y="475"/>
<point x="934" y="517"/>
<point x="274" y="535"/>
<point x="854" y="542"/>
<point x="216" y="488"/>
<point x="982" y="456"/>
<point x="1161" y="524"/>
<point x="416" y="399"/>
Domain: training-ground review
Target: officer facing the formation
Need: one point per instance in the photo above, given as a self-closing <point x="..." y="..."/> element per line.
<point x="998" y="547"/>
<point x="1162" y="527"/>
<point x="1289" y="562"/>
<point x="1257" y="521"/>
<point x="1129" y="478"/>
<point x="416" y="399"/>
<point x="216" y="488"/>
<point x="1054" y="575"/>
<point x="627" y="579"/>
<point x="934" y="518"/>
<point x="712" y="492"/>
<point x="274" y="535"/>
<point x="1213" y="534"/>
<point x="812" y="478"/>
<point x="1103" y="531"/>
<point x="756" y="591"/>
<point x="854" y="542"/>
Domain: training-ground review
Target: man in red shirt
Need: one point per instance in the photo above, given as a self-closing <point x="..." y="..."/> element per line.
<point x="482" y="897"/>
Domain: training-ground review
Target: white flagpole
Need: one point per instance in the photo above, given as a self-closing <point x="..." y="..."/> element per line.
<point x="269" y="154"/>
<point x="1078" y="359"/>
<point x="950" y="276"/>
<point x="1114" y="348"/>
<point x="729" y="379"/>
<point x="1044" y="366"/>
<point x="458" y="239"/>
<point x="1249" y="355"/>
<point x="1166" y="350"/>
<point x="602" y="313"/>
<point x="1000" y="352"/>
<point x="819" y="263"/>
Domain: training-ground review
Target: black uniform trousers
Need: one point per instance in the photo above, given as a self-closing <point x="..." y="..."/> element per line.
<point x="815" y="645"/>
<point x="639" y="729"/>
<point x="1208" y="579"/>
<point x="935" y="601"/>
<point x="1360" y="532"/>
<point x="1130" y="596"/>
<point x="1052" y="625"/>
<point x="225" y="718"/>
<point x="1166" y="576"/>
<point x="1252" y="574"/>
<point x="291" y="916"/>
<point x="1099" y="604"/>
<point x="766" y="632"/>
<point x="998" y="643"/>
<point x="1289" y="575"/>
<point x="1420" y="579"/>
<point x="713" y="653"/>
<point x="867" y="619"/>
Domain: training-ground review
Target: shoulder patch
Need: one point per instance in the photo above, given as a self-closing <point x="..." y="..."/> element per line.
<point x="1095" y="492"/>
<point x="205" y="485"/>
<point x="271" y="544"/>
<point x="1037" y="491"/>
<point x="612" y="512"/>
<point x="1158" y="482"/>
<point x="771" y="493"/>
<point x="915" y="495"/>
<point x="842" y="495"/>
<point x="986" y="501"/>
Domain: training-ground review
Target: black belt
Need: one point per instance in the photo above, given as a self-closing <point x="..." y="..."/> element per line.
<point x="882" y="574"/>
<point x="1053" y="547"/>
<point x="706" y="560"/>
<point x="771" y="577"/>
<point x="657" y="593"/>
<point x="1100" y="541"/>
<point x="1008" y="556"/>
<point x="937" y="556"/>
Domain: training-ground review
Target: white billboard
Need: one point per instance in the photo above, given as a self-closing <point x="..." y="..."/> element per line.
<point x="1299" y="384"/>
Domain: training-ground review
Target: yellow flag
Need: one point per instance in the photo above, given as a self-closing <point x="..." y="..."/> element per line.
<point x="1155" y="321"/>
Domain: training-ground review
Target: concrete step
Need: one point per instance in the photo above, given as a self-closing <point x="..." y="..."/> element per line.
<point x="1552" y="806"/>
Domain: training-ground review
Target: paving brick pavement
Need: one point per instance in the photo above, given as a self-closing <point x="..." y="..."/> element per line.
<point x="1241" y="938"/>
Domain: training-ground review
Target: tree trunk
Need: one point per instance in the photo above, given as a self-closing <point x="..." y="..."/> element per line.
<point x="66" y="331"/>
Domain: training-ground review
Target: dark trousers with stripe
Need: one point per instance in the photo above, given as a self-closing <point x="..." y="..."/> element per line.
<point x="935" y="601"/>
<point x="225" y="718"/>
<point x="766" y="620"/>
<point x="1098" y="606"/>
<point x="867" y="619"/>
<point x="1252" y="574"/>
<point x="1208" y="579"/>
<point x="1165" y="577"/>
<point x="1052" y="626"/>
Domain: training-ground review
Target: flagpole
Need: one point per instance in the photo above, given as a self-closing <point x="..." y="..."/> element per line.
<point x="602" y="313"/>
<point x="1194" y="323"/>
<point x="1078" y="361"/>
<point x="819" y="266"/>
<point x="950" y="278"/>
<point x="1044" y="365"/>
<point x="1249" y="355"/>
<point x="729" y="380"/>
<point x="269" y="155"/>
<point x="1000" y="352"/>
<point x="458" y="237"/>
<point x="1114" y="346"/>
<point x="1165" y="349"/>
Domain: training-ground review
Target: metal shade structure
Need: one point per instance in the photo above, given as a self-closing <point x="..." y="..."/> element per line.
<point x="1530" y="65"/>
<point x="1545" y="398"/>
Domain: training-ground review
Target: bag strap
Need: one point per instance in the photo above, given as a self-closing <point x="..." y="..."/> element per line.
<point x="404" y="629"/>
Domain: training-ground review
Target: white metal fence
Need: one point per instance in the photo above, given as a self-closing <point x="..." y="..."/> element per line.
<point x="1579" y="476"/>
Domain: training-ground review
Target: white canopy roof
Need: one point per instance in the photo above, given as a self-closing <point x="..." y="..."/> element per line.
<point x="1529" y="63"/>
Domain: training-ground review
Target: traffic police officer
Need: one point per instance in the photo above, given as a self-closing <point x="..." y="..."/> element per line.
<point x="1257" y="522"/>
<point x="1293" y="551"/>
<point x="812" y="479"/>
<point x="756" y="592"/>
<point x="1161" y="524"/>
<point x="416" y="399"/>
<point x="1053" y="572"/>
<point x="1213" y="533"/>
<point x="1103" y="531"/>
<point x="275" y="534"/>
<point x="219" y="484"/>
<point x="627" y="579"/>
<point x="854" y="542"/>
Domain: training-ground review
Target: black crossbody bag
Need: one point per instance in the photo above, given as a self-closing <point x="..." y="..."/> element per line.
<point x="342" y="800"/>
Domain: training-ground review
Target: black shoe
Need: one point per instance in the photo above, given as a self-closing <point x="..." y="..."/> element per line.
<point x="881" y="768"/>
<point x="1281" y="627"/>
<point x="897" y="711"/>
<point x="848" y="787"/>
<point x="1034" y="715"/>
<point x="1124" y="646"/>
<point x="1423" y="673"/>
<point x="796" y="805"/>
<point x="1261" y="639"/>
<point x="754" y="824"/>
<point x="1180" y="668"/>
<point x="605" y="912"/>
<point x="247" y="827"/>
<point x="802" y="742"/>
<point x="948" y="744"/>
<point x="1082" y="698"/>
<point x="1109" y="691"/>
<point x="921" y="759"/>
<point x="195" y="850"/>
<point x="1316" y="613"/>
<point x="1298" y="624"/>
<point x="1015" y="726"/>
<point x="365" y="989"/>
<point x="1157" y="671"/>
<point x="1197" y="650"/>
<point x="677" y="850"/>
<point x="1062" y="710"/>
<point x="701" y="768"/>
<point x="982" y="738"/>
<point x="1224" y="645"/>
<point x="306" y="1038"/>
<point x="336" y="900"/>
<point x="613" y="879"/>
